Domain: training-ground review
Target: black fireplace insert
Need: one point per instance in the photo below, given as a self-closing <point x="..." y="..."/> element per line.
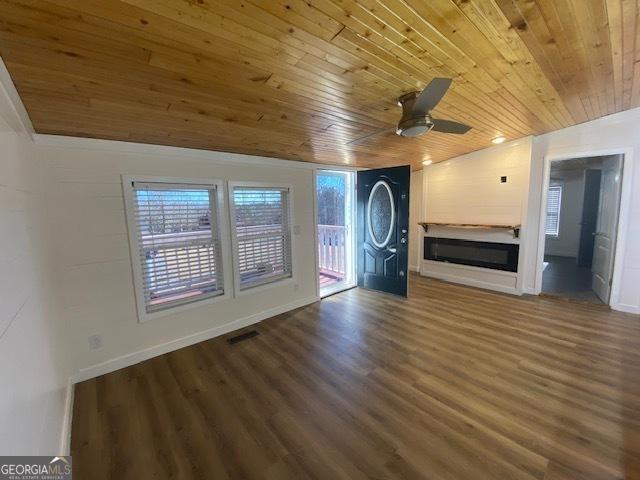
<point x="497" y="256"/>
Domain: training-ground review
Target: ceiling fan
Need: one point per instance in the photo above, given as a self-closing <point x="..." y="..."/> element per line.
<point x="416" y="113"/>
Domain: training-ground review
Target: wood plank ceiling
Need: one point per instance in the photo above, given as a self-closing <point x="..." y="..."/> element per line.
<point x="298" y="79"/>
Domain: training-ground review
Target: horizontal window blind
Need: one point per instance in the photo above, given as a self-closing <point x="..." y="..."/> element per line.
<point x="179" y="243"/>
<point x="263" y="234"/>
<point x="554" y="198"/>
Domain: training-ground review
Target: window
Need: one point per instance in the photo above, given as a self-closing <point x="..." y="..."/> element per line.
<point x="175" y="235"/>
<point x="554" y="198"/>
<point x="262" y="234"/>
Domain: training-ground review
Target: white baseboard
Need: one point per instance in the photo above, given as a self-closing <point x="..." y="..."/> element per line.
<point x="473" y="283"/>
<point x="619" y="307"/>
<point x="623" y="307"/>
<point x="489" y="279"/>
<point x="147" y="353"/>
<point x="65" y="435"/>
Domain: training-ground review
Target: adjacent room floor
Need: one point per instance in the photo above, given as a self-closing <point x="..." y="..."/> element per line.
<point x="451" y="383"/>
<point x="563" y="277"/>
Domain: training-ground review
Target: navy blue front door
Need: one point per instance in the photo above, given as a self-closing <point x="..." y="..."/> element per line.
<point x="383" y="229"/>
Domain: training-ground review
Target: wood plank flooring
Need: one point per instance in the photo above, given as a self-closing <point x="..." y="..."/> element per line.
<point x="451" y="383"/>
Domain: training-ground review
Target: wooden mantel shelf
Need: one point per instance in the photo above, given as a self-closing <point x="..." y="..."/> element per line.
<point x="514" y="228"/>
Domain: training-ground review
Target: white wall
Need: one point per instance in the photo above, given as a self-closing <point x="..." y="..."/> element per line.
<point x="92" y="260"/>
<point x="34" y="365"/>
<point x="415" y="216"/>
<point x="618" y="133"/>
<point x="568" y="240"/>
<point x="468" y="189"/>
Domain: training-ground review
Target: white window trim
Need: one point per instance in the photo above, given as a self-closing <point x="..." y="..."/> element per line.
<point x="234" y="239"/>
<point x="223" y="225"/>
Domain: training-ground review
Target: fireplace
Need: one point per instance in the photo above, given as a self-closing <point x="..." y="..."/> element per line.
<point x="496" y="256"/>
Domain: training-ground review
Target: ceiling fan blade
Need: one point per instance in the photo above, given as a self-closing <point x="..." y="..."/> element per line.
<point x="360" y="140"/>
<point x="449" y="126"/>
<point x="431" y="95"/>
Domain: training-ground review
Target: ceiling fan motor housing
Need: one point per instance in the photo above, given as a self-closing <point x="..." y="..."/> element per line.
<point x="412" y="124"/>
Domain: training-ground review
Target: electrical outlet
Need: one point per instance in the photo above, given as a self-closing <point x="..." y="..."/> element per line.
<point x="95" y="342"/>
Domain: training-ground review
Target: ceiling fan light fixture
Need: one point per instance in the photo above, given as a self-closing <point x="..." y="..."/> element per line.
<point x="498" y="140"/>
<point x="414" y="130"/>
<point x="412" y="126"/>
<point x="416" y="113"/>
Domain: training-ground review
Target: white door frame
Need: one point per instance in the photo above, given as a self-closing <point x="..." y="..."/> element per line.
<point x="315" y="231"/>
<point x="353" y="218"/>
<point x="623" y="213"/>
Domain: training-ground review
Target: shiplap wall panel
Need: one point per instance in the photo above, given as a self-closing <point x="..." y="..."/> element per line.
<point x="468" y="189"/>
<point x="34" y="359"/>
<point x="96" y="285"/>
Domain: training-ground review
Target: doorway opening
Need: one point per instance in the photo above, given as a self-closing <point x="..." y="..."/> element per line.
<point x="335" y="191"/>
<point x="583" y="204"/>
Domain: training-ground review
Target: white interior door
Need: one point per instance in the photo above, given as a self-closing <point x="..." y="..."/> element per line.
<point x="605" y="235"/>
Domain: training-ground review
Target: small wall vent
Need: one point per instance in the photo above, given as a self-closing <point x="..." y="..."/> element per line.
<point x="243" y="336"/>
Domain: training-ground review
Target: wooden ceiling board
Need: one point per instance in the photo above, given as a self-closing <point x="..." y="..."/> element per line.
<point x="301" y="79"/>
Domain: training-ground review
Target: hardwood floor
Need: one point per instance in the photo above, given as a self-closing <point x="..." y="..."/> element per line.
<point x="451" y="383"/>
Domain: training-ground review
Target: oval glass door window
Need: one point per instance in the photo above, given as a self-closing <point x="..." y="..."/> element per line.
<point x="381" y="214"/>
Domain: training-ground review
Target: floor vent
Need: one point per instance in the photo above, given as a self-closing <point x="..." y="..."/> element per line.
<point x="243" y="336"/>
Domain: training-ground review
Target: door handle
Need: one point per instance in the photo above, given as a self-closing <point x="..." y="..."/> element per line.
<point x="392" y="250"/>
